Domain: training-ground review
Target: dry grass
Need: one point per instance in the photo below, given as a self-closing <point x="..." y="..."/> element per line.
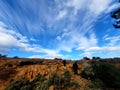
<point x="44" y="67"/>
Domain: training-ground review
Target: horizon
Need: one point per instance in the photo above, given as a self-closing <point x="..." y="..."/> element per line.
<point x="67" y="29"/>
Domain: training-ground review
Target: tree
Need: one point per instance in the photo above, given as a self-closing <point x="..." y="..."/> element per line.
<point x="116" y="15"/>
<point x="86" y="58"/>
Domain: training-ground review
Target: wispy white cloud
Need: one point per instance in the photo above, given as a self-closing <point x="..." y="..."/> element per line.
<point x="67" y="25"/>
<point x="61" y="14"/>
<point x="58" y="38"/>
<point x="47" y="56"/>
<point x="77" y="37"/>
<point x="106" y="48"/>
<point x="98" y="7"/>
<point x="35" y="56"/>
<point x="10" y="38"/>
<point x="105" y="51"/>
<point x="113" y="40"/>
<point x="112" y="7"/>
<point x="86" y="54"/>
<point x="4" y="50"/>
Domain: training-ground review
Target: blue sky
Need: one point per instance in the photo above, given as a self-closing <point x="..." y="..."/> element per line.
<point x="69" y="29"/>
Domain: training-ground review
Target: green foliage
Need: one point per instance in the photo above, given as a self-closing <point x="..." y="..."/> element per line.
<point x="23" y="63"/>
<point x="104" y="72"/>
<point x="86" y="58"/>
<point x="2" y="67"/>
<point x="60" y="82"/>
<point x="56" y="80"/>
<point x="27" y="87"/>
<point x="16" y="57"/>
<point x="19" y="84"/>
<point x="24" y="84"/>
<point x="67" y="76"/>
<point x="57" y="58"/>
<point x="87" y="72"/>
<point x="39" y="83"/>
<point x="39" y="78"/>
<point x="116" y="15"/>
<point x="107" y="73"/>
<point x="41" y="86"/>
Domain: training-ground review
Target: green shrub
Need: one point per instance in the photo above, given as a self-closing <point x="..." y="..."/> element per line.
<point x="107" y="73"/>
<point x="16" y="57"/>
<point x="39" y="83"/>
<point x="103" y="71"/>
<point x="55" y="80"/>
<point x="27" y="87"/>
<point x="39" y="78"/>
<point x="62" y="81"/>
<point x="2" y="67"/>
<point x="41" y="86"/>
<point x="19" y="84"/>
<point x="59" y="81"/>
<point x="88" y="72"/>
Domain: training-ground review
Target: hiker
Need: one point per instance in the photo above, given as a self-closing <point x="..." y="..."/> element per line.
<point x="75" y="68"/>
<point x="64" y="62"/>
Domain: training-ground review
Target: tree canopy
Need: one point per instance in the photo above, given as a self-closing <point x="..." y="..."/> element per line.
<point x="116" y="15"/>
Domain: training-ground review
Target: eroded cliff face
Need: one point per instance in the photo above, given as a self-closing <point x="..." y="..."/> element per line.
<point x="12" y="70"/>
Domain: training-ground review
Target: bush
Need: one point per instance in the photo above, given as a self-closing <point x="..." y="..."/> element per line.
<point x="2" y="67"/>
<point x="41" y="86"/>
<point x="88" y="72"/>
<point x="10" y="65"/>
<point x="104" y="72"/>
<point x="16" y="57"/>
<point x="86" y="58"/>
<point x="27" y="87"/>
<point x="63" y="81"/>
<point x="19" y="84"/>
<point x="39" y="78"/>
<point x="107" y="73"/>
<point x="26" y="63"/>
<point x="59" y="82"/>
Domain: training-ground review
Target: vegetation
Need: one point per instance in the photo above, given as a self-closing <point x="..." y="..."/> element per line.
<point x="116" y="15"/>
<point x="39" y="78"/>
<point x="19" y="84"/>
<point x="102" y="74"/>
<point x="2" y="67"/>
<point x="22" y="63"/>
<point x="86" y="58"/>
<point x="60" y="82"/>
<point x="16" y="57"/>
<point x="3" y="57"/>
<point x="63" y="81"/>
<point x="99" y="74"/>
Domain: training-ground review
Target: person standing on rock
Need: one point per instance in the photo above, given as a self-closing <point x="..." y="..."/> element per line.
<point x="75" y="68"/>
